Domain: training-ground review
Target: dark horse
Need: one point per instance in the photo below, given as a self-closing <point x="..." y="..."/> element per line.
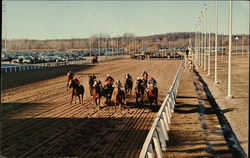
<point x="119" y="97"/>
<point x="139" y="93"/>
<point x="152" y="95"/>
<point x="77" y="90"/>
<point x="108" y="90"/>
<point x="97" y="94"/>
<point x="128" y="85"/>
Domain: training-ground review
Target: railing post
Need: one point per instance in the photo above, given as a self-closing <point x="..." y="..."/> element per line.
<point x="161" y="136"/>
<point x="5" y="70"/>
<point x="10" y="69"/>
<point x="165" y="118"/>
<point x="164" y="129"/>
<point x="150" y="152"/>
<point x="157" y="145"/>
<point x="15" y="69"/>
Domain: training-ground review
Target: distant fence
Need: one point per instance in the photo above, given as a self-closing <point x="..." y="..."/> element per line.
<point x="158" y="135"/>
<point x="54" y="64"/>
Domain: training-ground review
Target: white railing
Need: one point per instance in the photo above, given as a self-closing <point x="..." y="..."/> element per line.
<point x="158" y="135"/>
<point x="54" y="64"/>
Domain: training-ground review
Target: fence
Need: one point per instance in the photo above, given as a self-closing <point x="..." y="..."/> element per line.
<point x="158" y="135"/>
<point x="54" y="64"/>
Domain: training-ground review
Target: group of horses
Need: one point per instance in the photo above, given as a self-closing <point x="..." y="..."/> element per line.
<point x="109" y="90"/>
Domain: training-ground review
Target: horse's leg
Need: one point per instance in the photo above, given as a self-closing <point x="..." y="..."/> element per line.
<point x="136" y="98"/>
<point x="82" y="98"/>
<point x="99" y="100"/>
<point x="75" y="98"/>
<point x="71" y="98"/>
<point x="79" y="98"/>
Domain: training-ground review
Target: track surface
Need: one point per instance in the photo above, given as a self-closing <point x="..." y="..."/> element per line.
<point x="39" y="122"/>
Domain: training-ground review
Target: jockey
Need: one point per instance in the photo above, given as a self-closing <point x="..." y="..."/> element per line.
<point x="152" y="82"/>
<point x="70" y="75"/>
<point x="109" y="78"/>
<point x="128" y="77"/>
<point x="144" y="73"/>
<point x="139" y="80"/>
<point x="118" y="84"/>
<point x="97" y="82"/>
<point x="76" y="81"/>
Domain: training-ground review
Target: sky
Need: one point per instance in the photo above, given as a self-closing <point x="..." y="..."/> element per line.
<point x="80" y="19"/>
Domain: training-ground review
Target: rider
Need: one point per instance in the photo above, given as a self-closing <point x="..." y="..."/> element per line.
<point x="75" y="79"/>
<point x="70" y="74"/>
<point x="128" y="77"/>
<point x="139" y="80"/>
<point x="144" y="73"/>
<point x="118" y="84"/>
<point x="109" y="78"/>
<point x="152" y="82"/>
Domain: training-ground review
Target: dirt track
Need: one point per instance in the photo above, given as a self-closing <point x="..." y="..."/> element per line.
<point x="39" y="122"/>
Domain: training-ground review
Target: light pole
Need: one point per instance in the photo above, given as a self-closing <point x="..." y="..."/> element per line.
<point x="229" y="95"/>
<point x="99" y="49"/>
<point x="216" y="43"/>
<point x="205" y="38"/>
<point x="242" y="46"/>
<point x="209" y="45"/>
<point x="202" y="39"/>
<point x="236" y="39"/>
<point x="222" y="44"/>
<point x="199" y="35"/>
<point x="5" y="36"/>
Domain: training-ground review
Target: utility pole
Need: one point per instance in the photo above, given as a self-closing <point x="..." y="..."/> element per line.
<point x="229" y="95"/>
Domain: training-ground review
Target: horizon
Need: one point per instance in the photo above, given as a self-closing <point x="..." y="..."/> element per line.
<point x="58" y="20"/>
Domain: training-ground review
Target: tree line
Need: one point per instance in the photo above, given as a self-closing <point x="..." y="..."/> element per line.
<point x="127" y="40"/>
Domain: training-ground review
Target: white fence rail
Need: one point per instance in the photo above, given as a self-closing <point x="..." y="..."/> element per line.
<point x="53" y="64"/>
<point x="158" y="135"/>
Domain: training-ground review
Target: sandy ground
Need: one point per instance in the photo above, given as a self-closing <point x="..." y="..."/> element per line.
<point x="39" y="122"/>
<point x="237" y="109"/>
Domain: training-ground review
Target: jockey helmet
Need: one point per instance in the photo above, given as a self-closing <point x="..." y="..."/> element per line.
<point x="138" y="78"/>
<point x="151" y="78"/>
<point x="108" y="75"/>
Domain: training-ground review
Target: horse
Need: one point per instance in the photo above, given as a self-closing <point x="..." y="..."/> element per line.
<point x="108" y="90"/>
<point x="77" y="90"/>
<point x="139" y="93"/>
<point x="97" y="94"/>
<point x="128" y="85"/>
<point x="119" y="97"/>
<point x="70" y="76"/>
<point x="152" y="95"/>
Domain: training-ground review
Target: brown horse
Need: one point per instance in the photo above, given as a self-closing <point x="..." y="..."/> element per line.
<point x="119" y="97"/>
<point x="152" y="95"/>
<point x="97" y="94"/>
<point x="77" y="90"/>
<point x="139" y="92"/>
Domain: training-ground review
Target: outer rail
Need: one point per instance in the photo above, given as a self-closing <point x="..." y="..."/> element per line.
<point x="50" y="65"/>
<point x="158" y="135"/>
